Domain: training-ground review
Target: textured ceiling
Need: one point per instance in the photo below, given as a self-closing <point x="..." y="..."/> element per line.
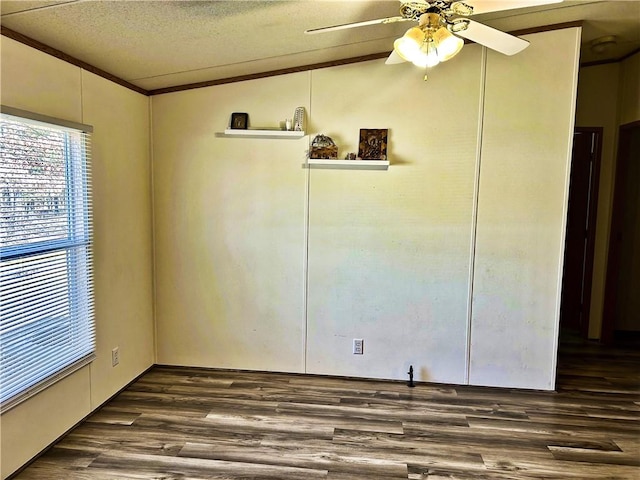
<point x="157" y="44"/>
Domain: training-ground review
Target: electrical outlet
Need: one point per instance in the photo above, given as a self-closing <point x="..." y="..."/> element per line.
<point x="115" y="357"/>
<point x="358" y="346"/>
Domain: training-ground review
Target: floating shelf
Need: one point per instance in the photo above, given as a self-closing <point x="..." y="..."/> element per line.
<point x="259" y="133"/>
<point x="349" y="164"/>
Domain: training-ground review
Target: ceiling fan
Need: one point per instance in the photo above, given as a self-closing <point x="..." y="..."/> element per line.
<point x="442" y="25"/>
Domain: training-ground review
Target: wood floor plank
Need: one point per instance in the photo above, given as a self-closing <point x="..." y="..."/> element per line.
<point x="396" y="448"/>
<point x="260" y="423"/>
<point x="397" y="414"/>
<point x="448" y="448"/>
<point x="629" y="424"/>
<point x="41" y="471"/>
<point x="525" y="468"/>
<point x="592" y="432"/>
<point x="70" y="457"/>
<point x="114" y="418"/>
<point x="200" y="467"/>
<point x="301" y="457"/>
<point x="504" y="438"/>
<point x="124" y="405"/>
<point x="595" y="456"/>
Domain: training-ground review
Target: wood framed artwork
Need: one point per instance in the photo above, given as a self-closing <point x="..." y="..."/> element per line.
<point x="373" y="144"/>
<point x="239" y="121"/>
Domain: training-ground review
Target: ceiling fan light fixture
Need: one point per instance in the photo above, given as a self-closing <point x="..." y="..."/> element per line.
<point x="448" y="44"/>
<point x="408" y="46"/>
<point x="458" y="25"/>
<point x="428" y="54"/>
<point x="430" y="21"/>
<point x="442" y="29"/>
<point x="461" y="8"/>
<point x="430" y="43"/>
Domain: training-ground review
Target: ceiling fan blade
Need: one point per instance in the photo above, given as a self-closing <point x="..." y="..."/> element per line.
<point x="357" y="24"/>
<point x="494" y="39"/>
<point x="394" y="58"/>
<point x="486" y="6"/>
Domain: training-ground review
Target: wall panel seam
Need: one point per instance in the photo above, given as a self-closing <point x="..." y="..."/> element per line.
<point x="474" y="214"/>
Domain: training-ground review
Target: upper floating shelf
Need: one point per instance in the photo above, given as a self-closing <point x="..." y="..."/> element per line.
<point x="258" y="133"/>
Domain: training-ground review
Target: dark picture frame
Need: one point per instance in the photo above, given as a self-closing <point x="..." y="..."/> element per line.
<point x="373" y="144"/>
<point x="239" y="121"/>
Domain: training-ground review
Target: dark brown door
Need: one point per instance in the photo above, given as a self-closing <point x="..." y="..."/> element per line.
<point x="580" y="233"/>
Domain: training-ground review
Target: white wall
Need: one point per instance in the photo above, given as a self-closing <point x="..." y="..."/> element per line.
<point x="230" y="228"/>
<point x="34" y="81"/>
<point x="389" y="251"/>
<point x="628" y="302"/>
<point x="262" y="264"/>
<point x="630" y="90"/>
<point x="598" y="107"/>
<point x="524" y="179"/>
<point x="123" y="275"/>
<point x="608" y="96"/>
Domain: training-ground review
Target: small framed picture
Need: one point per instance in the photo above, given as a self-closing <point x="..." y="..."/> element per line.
<point x="239" y="121"/>
<point x="373" y="144"/>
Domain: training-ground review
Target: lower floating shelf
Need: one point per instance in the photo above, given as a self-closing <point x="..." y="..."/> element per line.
<point x="349" y="164"/>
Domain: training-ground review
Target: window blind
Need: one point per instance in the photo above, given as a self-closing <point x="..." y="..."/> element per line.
<point x="46" y="282"/>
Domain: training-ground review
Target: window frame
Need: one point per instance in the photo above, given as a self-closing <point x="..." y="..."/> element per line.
<point x="76" y="247"/>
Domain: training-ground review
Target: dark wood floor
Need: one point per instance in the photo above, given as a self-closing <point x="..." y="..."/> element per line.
<point x="181" y="423"/>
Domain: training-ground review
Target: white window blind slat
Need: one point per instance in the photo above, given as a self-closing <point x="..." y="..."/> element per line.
<point x="54" y="275"/>
<point x="38" y="332"/>
<point x="46" y="280"/>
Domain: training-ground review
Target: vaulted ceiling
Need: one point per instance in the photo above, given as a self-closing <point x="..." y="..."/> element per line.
<point x="158" y="44"/>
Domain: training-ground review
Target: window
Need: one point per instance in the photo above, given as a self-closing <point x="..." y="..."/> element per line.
<point x="46" y="286"/>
